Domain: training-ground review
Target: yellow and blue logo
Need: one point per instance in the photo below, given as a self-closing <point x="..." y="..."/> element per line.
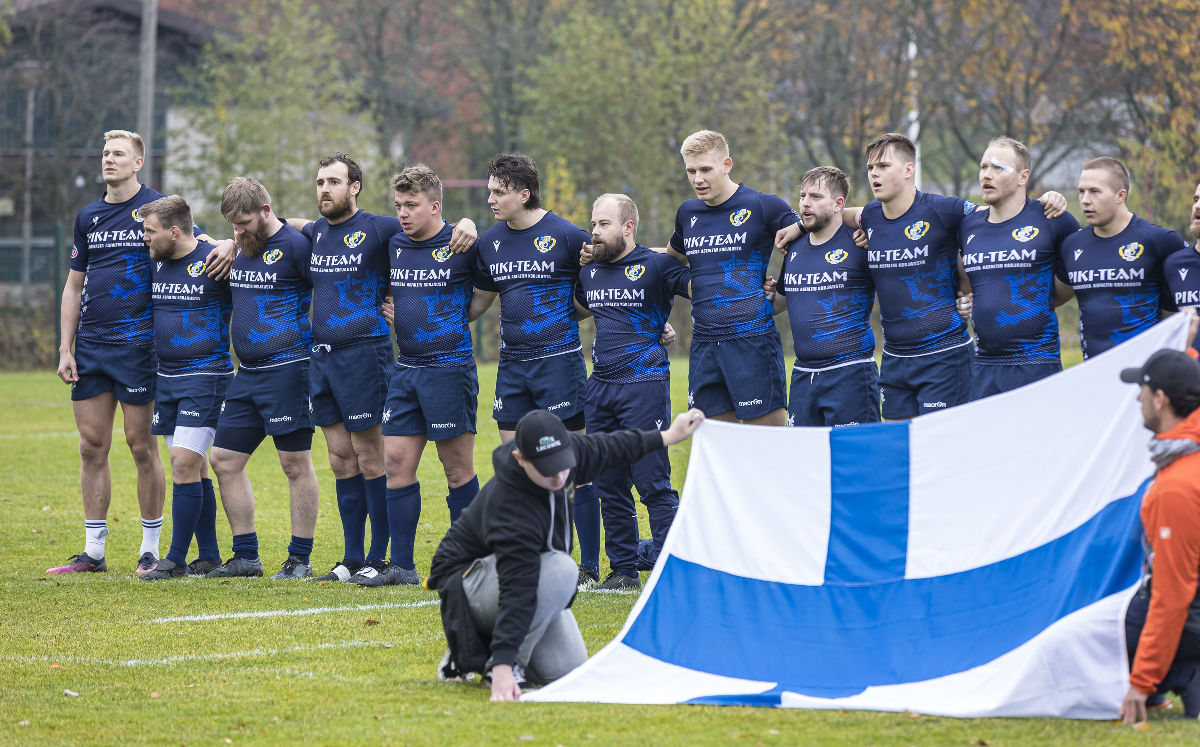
<point x="442" y="253"/>
<point x="272" y="257"/>
<point x="633" y="272"/>
<point x="354" y="239"/>
<point x="1131" y="251"/>
<point x="137" y="214"/>
<point x="739" y="217"/>
<point x="544" y="243"/>
<point x="836" y="256"/>
<point x="916" y="230"/>
<point x="1025" y="233"/>
<point x="196" y="268"/>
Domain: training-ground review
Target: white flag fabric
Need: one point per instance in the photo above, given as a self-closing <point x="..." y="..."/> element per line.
<point x="973" y="562"/>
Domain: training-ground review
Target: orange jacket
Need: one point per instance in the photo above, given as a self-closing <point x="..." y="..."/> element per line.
<point x="1171" y="518"/>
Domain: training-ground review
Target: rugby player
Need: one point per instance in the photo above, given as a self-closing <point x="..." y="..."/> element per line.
<point x="106" y="352"/>
<point x="433" y="392"/>
<point x="725" y="234"/>
<point x="269" y="395"/>
<point x="826" y="287"/>
<point x="530" y="258"/>
<point x="628" y="290"/>
<point x="191" y="342"/>
<point x="1115" y="264"/>
<point x="1009" y="252"/>
<point x="1182" y="269"/>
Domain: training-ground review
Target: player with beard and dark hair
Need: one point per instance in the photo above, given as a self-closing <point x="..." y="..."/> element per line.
<point x="826" y="287"/>
<point x="1182" y="268"/>
<point x="351" y="356"/>
<point x="191" y="342"/>
<point x="269" y="394"/>
<point x="629" y="289"/>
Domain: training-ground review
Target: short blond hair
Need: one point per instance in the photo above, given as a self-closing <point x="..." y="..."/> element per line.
<point x="418" y="179"/>
<point x="704" y="141"/>
<point x="243" y="195"/>
<point x="139" y="147"/>
<point x="626" y="208"/>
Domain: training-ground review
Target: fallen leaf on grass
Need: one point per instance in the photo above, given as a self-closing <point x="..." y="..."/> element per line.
<point x="983" y="743"/>
<point x="223" y="581"/>
<point x="772" y="731"/>
<point x="154" y="694"/>
<point x="1142" y="726"/>
<point x="70" y="693"/>
<point x="56" y="665"/>
<point x="45" y="508"/>
<point x="228" y="740"/>
<point x="526" y="737"/>
<point x="240" y="726"/>
<point x="37" y="531"/>
<point x="23" y="723"/>
<point x="369" y="623"/>
<point x="389" y="645"/>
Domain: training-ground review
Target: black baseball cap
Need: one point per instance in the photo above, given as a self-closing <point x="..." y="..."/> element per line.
<point x="1174" y="372"/>
<point x="544" y="441"/>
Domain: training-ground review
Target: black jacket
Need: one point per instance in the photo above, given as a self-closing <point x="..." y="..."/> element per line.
<point x="518" y="521"/>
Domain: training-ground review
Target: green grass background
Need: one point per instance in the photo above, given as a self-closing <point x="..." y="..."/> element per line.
<point x="346" y="676"/>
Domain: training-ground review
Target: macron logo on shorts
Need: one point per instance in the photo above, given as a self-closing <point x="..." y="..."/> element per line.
<point x="136" y="390"/>
<point x="189" y="413"/>
<point x="359" y="416"/>
<point x="443" y="425"/>
<point x="283" y="419"/>
<point x="934" y="405"/>
<point x="559" y="406"/>
<point x="750" y="403"/>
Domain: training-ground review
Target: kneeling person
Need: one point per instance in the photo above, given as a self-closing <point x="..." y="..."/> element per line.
<point x="191" y="341"/>
<point x="504" y="570"/>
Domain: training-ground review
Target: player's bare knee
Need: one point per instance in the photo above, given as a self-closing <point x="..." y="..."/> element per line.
<point x="343" y="465"/>
<point x="186" y="465"/>
<point x="93" y="450"/>
<point x="224" y="462"/>
<point x="296" y="464"/>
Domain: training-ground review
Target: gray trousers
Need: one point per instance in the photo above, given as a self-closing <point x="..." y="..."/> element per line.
<point x="553" y="646"/>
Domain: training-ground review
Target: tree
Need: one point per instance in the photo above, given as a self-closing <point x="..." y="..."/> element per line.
<point x="262" y="105"/>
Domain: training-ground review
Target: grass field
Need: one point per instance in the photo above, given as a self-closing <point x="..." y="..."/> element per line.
<point x="200" y="661"/>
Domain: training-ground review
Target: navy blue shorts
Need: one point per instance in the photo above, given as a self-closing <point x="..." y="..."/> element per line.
<point x="743" y="375"/>
<point x="847" y="395"/>
<point x="438" y="402"/>
<point x="642" y="405"/>
<point x="127" y="371"/>
<point x="188" y="402"/>
<point x="987" y="380"/>
<point x="349" y="385"/>
<point x="925" y="383"/>
<point x="273" y="400"/>
<point x="554" y="383"/>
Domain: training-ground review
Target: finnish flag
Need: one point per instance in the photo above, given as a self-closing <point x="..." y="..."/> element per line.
<point x="973" y="562"/>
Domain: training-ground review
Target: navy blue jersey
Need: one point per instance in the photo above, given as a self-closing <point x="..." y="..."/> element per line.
<point x="829" y="295"/>
<point x="728" y="248"/>
<point x="1011" y="267"/>
<point x="630" y="299"/>
<point x="349" y="270"/>
<point x="191" y="316"/>
<point x="534" y="271"/>
<point x="1182" y="271"/>
<point x="271" y="297"/>
<point x="432" y="289"/>
<point x="1118" y="281"/>
<point x="110" y="248"/>
<point x="912" y="260"/>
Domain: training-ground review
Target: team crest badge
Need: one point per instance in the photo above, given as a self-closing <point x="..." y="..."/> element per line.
<point x="633" y="272"/>
<point x="739" y="217"/>
<point x="137" y="214"/>
<point x="969" y="207"/>
<point x="196" y="268"/>
<point x="1025" y="233"/>
<point x="544" y="243"/>
<point x="354" y="239"/>
<point x="916" y="230"/>
<point x="74" y="251"/>
<point x="836" y="256"/>
<point x="272" y="257"/>
<point x="442" y="253"/>
<point x="1131" y="251"/>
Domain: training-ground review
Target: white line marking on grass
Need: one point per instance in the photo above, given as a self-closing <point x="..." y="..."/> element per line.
<point x="44" y="434"/>
<point x="241" y="654"/>
<point x="289" y="613"/>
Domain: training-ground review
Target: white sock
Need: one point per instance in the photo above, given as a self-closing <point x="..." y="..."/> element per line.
<point x="151" y="528"/>
<point x="94" y="533"/>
